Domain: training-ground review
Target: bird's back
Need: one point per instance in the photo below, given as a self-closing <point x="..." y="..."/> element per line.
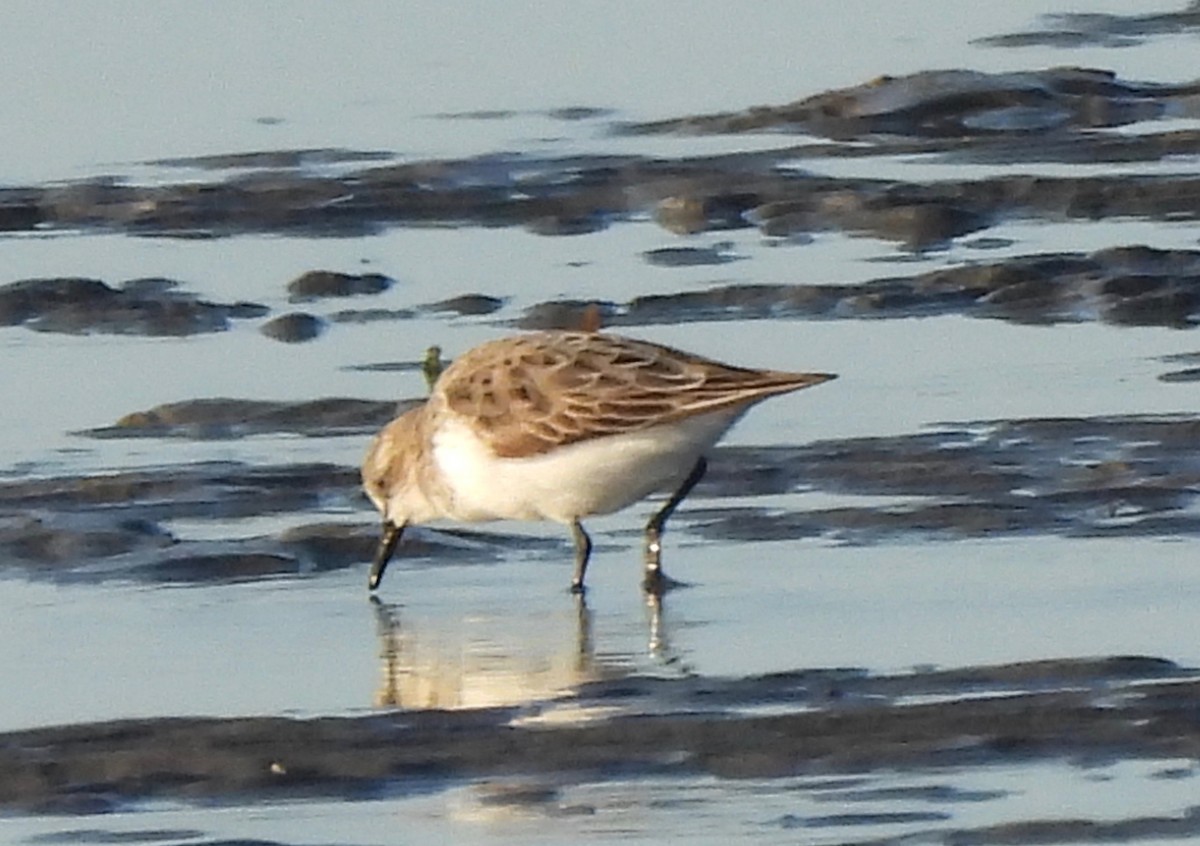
<point x="529" y="394"/>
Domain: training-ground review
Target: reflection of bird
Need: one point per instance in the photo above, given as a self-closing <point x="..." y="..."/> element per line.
<point x="560" y="426"/>
<point x="388" y="626"/>
<point x="438" y="666"/>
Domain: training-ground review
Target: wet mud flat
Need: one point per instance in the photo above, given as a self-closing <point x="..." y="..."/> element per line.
<point x="952" y="116"/>
<point x="1010" y="142"/>
<point x="1120" y="476"/>
<point x="814" y="723"/>
<point x="1025" y="130"/>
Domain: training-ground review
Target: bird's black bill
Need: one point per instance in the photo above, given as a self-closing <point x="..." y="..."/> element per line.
<point x="387" y="545"/>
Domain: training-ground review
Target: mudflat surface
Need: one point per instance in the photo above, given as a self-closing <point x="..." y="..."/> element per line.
<point x="946" y="600"/>
<point x="836" y="722"/>
<point x="1120" y="476"/>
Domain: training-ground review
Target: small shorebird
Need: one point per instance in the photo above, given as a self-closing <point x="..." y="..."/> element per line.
<point x="560" y="426"/>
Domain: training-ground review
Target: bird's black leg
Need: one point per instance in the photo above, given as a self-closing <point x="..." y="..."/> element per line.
<point x="655" y="581"/>
<point x="583" y="551"/>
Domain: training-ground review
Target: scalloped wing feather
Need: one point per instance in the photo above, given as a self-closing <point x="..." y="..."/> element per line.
<point x="528" y="394"/>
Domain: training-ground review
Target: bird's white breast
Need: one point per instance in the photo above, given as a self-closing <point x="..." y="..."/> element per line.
<point x="596" y="476"/>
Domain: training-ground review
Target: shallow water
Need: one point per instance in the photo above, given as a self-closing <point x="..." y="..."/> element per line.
<point x="705" y="810"/>
<point x="263" y="79"/>
<point x="457" y="636"/>
<point x="277" y="76"/>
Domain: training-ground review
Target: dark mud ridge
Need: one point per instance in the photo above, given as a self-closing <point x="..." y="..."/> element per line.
<point x="835" y="722"/>
<point x="1132" y="286"/>
<point x="162" y="307"/>
<point x="960" y="116"/>
<point x="1127" y="476"/>
<point x="1102" y="30"/>
<point x="1058" y="115"/>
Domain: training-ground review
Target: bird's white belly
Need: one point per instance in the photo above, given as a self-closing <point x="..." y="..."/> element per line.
<point x="597" y="476"/>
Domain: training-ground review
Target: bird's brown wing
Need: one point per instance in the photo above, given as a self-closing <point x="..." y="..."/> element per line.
<point x="528" y="394"/>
